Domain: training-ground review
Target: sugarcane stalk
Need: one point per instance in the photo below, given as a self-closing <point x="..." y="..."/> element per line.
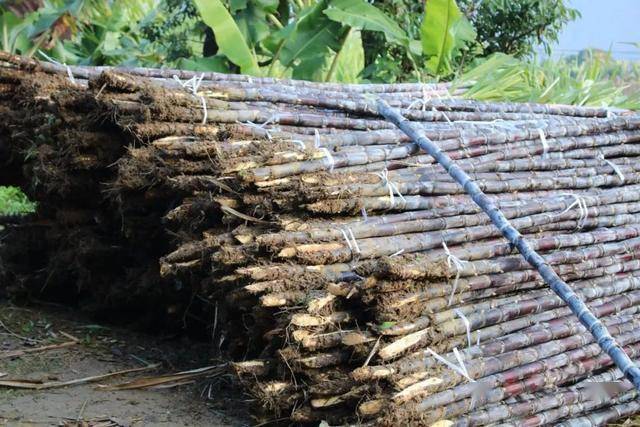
<point x="627" y="407"/>
<point x="604" y="339"/>
<point x="571" y="369"/>
<point x="571" y="402"/>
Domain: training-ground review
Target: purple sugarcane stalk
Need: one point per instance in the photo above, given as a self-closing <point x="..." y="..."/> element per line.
<point x="577" y="306"/>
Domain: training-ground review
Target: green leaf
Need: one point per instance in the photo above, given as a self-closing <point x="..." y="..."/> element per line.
<point x="350" y="59"/>
<point x="364" y="16"/>
<point x="440" y="35"/>
<point x="463" y="32"/>
<point x="230" y="41"/>
<point x="14" y="202"/>
<point x="310" y="43"/>
<point x="314" y="69"/>
<point x="252" y="22"/>
<point x="13" y="30"/>
<point x="387" y="325"/>
<point x="210" y="63"/>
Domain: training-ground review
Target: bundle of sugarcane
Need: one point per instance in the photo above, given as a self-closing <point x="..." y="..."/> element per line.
<point x="329" y="292"/>
<point x="59" y="144"/>
<point x="72" y="249"/>
<point x="362" y="280"/>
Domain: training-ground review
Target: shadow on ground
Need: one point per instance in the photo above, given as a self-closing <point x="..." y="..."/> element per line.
<point x="24" y="332"/>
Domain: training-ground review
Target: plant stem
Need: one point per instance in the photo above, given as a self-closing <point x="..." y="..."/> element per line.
<point x="577" y="306"/>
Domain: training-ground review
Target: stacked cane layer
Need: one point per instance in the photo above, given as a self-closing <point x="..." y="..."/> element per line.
<point x="353" y="278"/>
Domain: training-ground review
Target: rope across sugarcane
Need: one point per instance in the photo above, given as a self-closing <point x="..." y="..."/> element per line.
<point x="577" y="306"/>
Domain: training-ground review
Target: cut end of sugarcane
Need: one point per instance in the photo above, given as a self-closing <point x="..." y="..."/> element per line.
<point x="251" y="367"/>
<point x="365" y="373"/>
<point x="289" y="252"/>
<point x="418" y="389"/>
<point x="371" y="408"/>
<point x="402" y="345"/>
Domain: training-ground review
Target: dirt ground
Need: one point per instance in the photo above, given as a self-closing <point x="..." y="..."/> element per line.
<point x="99" y="350"/>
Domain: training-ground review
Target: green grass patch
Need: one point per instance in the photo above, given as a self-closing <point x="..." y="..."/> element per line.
<point x="14" y="202"/>
<point x="590" y="79"/>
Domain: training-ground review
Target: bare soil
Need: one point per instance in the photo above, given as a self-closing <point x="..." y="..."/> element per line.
<point x="101" y="350"/>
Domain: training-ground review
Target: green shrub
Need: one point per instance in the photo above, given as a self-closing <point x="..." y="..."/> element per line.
<point x="14" y="202"/>
<point x="517" y="27"/>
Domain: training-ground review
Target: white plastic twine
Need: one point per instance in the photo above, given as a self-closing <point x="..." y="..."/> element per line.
<point x="350" y="238"/>
<point x="615" y="167"/>
<point x="545" y="145"/>
<point x="192" y="85"/>
<point x="421" y="102"/>
<point x="461" y="369"/>
<point x="330" y="160"/>
<point x="504" y="124"/>
<point x="324" y="150"/>
<point x="453" y="261"/>
<point x="273" y="119"/>
<point x="467" y="324"/>
<point x="53" y="61"/>
<point x="581" y="203"/>
<point x="363" y="211"/>
<point x="392" y="187"/>
<point x="300" y="144"/>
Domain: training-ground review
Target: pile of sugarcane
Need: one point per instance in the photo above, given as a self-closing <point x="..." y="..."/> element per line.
<point x="349" y="277"/>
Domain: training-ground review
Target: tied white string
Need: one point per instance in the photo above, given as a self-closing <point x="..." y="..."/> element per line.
<point x="453" y="261"/>
<point x="192" y="85"/>
<point x="329" y="157"/>
<point x="581" y="203"/>
<point x="443" y="114"/>
<point x="545" y="145"/>
<point x="392" y="187"/>
<point x="421" y="102"/>
<point x="316" y="143"/>
<point x="467" y="324"/>
<point x="63" y="64"/>
<point x="363" y="211"/>
<point x="350" y="239"/>
<point x="461" y="369"/>
<point x="299" y="144"/>
<point x="400" y="252"/>
<point x="274" y="118"/>
<point x="615" y="167"/>
<point x="501" y="123"/>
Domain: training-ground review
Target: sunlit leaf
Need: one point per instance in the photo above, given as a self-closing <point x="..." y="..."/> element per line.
<point x="350" y="59"/>
<point x="211" y="63"/>
<point x="364" y="16"/>
<point x="441" y="36"/>
<point x="311" y="41"/>
<point x="230" y="41"/>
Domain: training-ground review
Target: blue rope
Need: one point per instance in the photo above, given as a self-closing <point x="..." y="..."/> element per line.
<point x="577" y="306"/>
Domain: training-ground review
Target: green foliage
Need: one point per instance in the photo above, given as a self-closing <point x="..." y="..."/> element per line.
<point x="231" y="43"/>
<point x="78" y="31"/>
<point x="328" y="40"/>
<point x="364" y="16"/>
<point x="14" y="202"/>
<point x="517" y="27"/>
<point x="592" y="78"/>
<point x="445" y="31"/>
<point x="349" y="60"/>
<point x="308" y="43"/>
<point x="13" y="34"/>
